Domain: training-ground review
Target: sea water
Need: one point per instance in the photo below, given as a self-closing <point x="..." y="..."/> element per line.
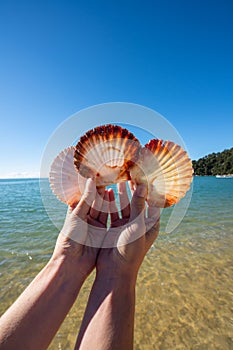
<point x="184" y="288"/>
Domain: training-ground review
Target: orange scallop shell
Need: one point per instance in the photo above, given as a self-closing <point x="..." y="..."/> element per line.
<point x="65" y="181"/>
<point x="106" y="153"/>
<point x="167" y="169"/>
<point x="112" y="154"/>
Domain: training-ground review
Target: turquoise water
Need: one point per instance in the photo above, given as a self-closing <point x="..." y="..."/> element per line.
<point x="184" y="290"/>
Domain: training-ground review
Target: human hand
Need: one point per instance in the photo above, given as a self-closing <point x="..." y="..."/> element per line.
<point x="84" y="230"/>
<point x="112" y="298"/>
<point x="130" y="236"/>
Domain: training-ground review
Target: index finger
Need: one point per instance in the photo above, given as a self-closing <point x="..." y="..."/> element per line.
<point x="138" y="201"/>
<point x="87" y="199"/>
<point x="153" y="212"/>
<point x="152" y="224"/>
<point x="124" y="200"/>
<point x="113" y="207"/>
<point x="97" y="204"/>
<point x="103" y="217"/>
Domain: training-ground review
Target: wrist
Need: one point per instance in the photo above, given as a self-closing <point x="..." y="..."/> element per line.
<point x="76" y="258"/>
<point x="117" y="273"/>
<point x="69" y="272"/>
<point x="116" y="281"/>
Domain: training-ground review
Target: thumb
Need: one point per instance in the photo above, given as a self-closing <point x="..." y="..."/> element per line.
<point x="138" y="201"/>
<point x="87" y="199"/>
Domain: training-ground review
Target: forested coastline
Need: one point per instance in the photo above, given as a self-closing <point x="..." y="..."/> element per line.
<point x="220" y="163"/>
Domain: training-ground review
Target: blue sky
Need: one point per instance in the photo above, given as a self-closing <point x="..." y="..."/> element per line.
<point x="58" y="57"/>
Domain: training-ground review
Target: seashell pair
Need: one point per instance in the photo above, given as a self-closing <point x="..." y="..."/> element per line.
<point x="111" y="154"/>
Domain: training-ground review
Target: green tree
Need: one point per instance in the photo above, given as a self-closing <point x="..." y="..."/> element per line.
<point x="215" y="163"/>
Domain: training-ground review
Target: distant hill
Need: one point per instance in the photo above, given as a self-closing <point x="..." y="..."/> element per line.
<point x="215" y="163"/>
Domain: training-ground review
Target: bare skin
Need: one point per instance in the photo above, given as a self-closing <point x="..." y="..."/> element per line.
<point x="33" y="320"/>
<point x="108" y="322"/>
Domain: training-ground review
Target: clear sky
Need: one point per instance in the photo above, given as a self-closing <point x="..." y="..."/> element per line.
<point x="57" y="57"/>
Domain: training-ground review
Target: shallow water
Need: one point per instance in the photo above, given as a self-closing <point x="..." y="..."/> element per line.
<point x="184" y="288"/>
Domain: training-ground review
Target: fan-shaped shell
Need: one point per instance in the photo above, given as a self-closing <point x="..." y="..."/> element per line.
<point x="65" y="181"/>
<point x="167" y="169"/>
<point x="106" y="153"/>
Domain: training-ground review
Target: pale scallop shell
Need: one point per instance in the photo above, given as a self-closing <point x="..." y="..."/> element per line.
<point x="167" y="169"/>
<point x="65" y="181"/>
<point x="106" y="153"/>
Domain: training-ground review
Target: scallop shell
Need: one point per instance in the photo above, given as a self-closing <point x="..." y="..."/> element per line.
<point x="106" y="153"/>
<point x="166" y="167"/>
<point x="65" y="181"/>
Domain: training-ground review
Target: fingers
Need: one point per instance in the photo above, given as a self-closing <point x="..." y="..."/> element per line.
<point x="87" y="199"/>
<point x="131" y="186"/>
<point x="113" y="207"/>
<point x="124" y="200"/>
<point x="153" y="213"/>
<point x="152" y="224"/>
<point x="138" y="201"/>
<point x="97" y="205"/>
<point x="103" y="216"/>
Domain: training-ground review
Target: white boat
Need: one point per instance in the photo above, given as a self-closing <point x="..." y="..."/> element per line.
<point x="225" y="176"/>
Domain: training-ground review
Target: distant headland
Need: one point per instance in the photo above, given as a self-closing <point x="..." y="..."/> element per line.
<point x="213" y="164"/>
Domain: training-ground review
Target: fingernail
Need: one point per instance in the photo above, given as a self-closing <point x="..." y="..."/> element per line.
<point x="142" y="190"/>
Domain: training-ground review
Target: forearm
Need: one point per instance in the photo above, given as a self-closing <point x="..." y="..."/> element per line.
<point x="108" y="322"/>
<point x="33" y="320"/>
